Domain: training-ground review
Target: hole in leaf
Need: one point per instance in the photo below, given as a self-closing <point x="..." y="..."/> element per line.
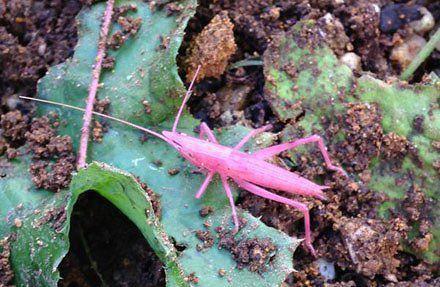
<point x="107" y="249"/>
<point x="179" y="247"/>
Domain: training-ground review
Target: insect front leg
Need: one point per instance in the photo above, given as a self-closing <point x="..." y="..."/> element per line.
<point x="252" y="134"/>
<point x="298" y="205"/>
<point x="205" y="184"/>
<point x="273" y="150"/>
<point x="231" y="201"/>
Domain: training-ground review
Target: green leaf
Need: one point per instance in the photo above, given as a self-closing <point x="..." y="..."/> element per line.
<point x="41" y="240"/>
<point x="144" y="69"/>
<point x="304" y="78"/>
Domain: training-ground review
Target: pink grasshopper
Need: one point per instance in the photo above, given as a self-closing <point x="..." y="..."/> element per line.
<point x="250" y="171"/>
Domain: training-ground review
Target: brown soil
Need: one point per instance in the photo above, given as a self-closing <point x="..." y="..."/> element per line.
<point x="6" y="272"/>
<point x="34" y="35"/>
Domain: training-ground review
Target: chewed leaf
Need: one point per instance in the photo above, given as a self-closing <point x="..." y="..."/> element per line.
<point x="145" y="69"/>
<point x="145" y="73"/>
<point x="38" y="222"/>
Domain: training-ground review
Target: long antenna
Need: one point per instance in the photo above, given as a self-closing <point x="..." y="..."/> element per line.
<point x="185" y="99"/>
<point x="101" y="115"/>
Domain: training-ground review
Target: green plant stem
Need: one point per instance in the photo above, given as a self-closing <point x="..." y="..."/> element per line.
<point x="93" y="263"/>
<point x="421" y="56"/>
<point x="247" y="62"/>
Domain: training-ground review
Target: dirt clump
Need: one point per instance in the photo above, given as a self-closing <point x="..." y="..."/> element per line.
<point x="372" y="245"/>
<point x="129" y="28"/>
<point x="253" y="254"/>
<point x="335" y="35"/>
<point x="361" y="124"/>
<point x="6" y="272"/>
<point x="14" y="126"/>
<point x="154" y="198"/>
<point x="99" y="127"/>
<point x="206" y="210"/>
<point x="394" y="16"/>
<point x="394" y="146"/>
<point x="416" y="209"/>
<point x="55" y="217"/>
<point x="108" y="62"/>
<point x="53" y="160"/>
<point x="122" y="10"/>
<point x="207" y="239"/>
<point x="211" y="49"/>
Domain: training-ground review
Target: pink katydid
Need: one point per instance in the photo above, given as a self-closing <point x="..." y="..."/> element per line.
<point x="250" y="171"/>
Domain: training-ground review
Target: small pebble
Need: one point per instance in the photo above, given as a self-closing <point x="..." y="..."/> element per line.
<point x="425" y="24"/>
<point x="18" y="223"/>
<point x="221" y="272"/>
<point x="327" y="269"/>
<point x="352" y="60"/>
<point x="173" y="171"/>
<point x="404" y="53"/>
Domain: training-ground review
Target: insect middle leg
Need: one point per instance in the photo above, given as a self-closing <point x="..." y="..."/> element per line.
<point x="298" y="205"/>
<point x="273" y="150"/>
<point x="205" y="130"/>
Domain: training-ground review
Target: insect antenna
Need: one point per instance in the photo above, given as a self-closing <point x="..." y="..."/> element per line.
<point x="101" y="115"/>
<point x="185" y="99"/>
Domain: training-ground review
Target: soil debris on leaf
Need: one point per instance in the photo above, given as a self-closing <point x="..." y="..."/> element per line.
<point x="206" y="210"/>
<point x="207" y="239"/>
<point x="211" y="49"/>
<point x="53" y="161"/>
<point x="122" y="10"/>
<point x="129" y="27"/>
<point x="55" y="217"/>
<point x="99" y="126"/>
<point x="154" y="198"/>
<point x="173" y="171"/>
<point x="253" y="253"/>
<point x="192" y="278"/>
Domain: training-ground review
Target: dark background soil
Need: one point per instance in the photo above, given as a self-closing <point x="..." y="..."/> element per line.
<point x="106" y="249"/>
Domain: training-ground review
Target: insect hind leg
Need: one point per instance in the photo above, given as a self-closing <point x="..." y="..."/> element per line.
<point x="273" y="150"/>
<point x="298" y="205"/>
<point x="252" y="134"/>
